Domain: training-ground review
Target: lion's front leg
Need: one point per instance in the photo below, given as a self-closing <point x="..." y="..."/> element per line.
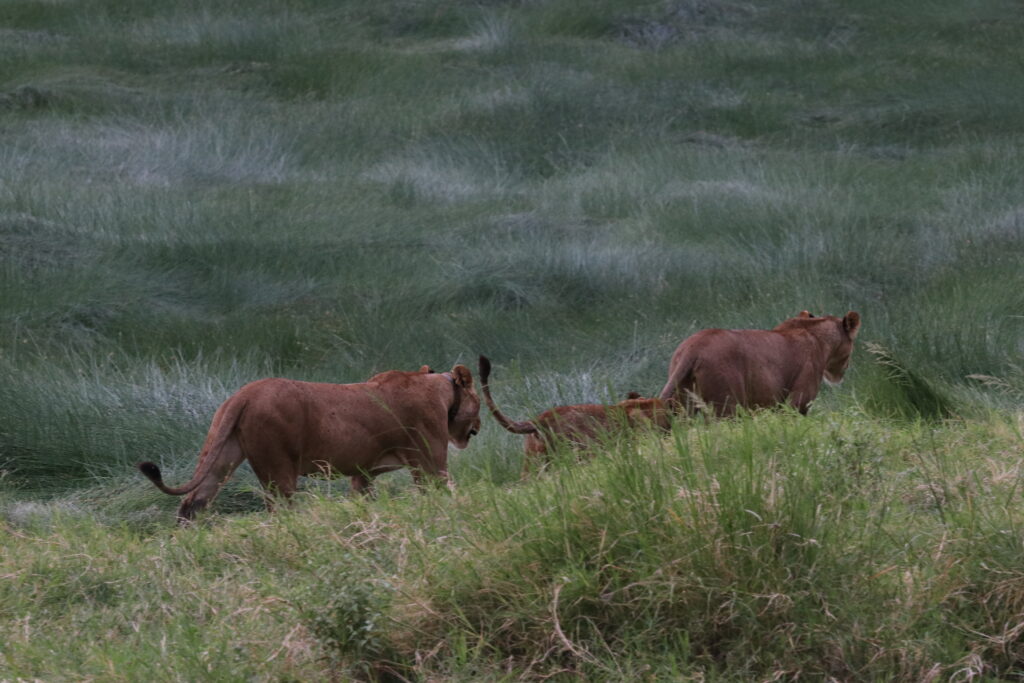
<point x="433" y="463"/>
<point x="419" y="476"/>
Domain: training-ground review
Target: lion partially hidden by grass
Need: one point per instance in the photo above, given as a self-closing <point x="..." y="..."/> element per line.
<point x="579" y="425"/>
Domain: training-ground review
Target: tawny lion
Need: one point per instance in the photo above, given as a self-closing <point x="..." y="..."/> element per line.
<point x="577" y="425"/>
<point x="287" y="428"/>
<point x="726" y="369"/>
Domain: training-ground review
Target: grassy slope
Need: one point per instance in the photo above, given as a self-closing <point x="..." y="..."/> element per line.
<point x="832" y="545"/>
<point x="194" y="195"/>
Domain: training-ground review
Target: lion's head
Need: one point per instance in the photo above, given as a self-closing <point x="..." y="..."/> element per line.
<point x="847" y="329"/>
<point x="836" y="333"/>
<point x="464" y="419"/>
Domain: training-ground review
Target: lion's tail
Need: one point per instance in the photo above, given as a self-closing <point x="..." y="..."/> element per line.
<point x="224" y="422"/>
<point x="521" y="427"/>
<point x="680" y="381"/>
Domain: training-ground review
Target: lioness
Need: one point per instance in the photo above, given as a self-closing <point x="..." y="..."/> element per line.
<point x="724" y="369"/>
<point x="287" y="428"/>
<point x="577" y="425"/>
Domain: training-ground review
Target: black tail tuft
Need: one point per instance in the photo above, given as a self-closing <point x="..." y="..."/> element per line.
<point x="485" y="368"/>
<point x="151" y="471"/>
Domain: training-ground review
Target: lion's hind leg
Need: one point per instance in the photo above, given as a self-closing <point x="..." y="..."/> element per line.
<point x="535" y="454"/>
<point x="228" y="458"/>
<point x="362" y="483"/>
<point x="280" y="482"/>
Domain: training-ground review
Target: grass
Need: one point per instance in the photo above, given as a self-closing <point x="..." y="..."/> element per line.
<point x="197" y="195"/>
<point x="836" y="545"/>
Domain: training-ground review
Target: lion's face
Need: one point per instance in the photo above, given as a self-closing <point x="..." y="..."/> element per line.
<point x="651" y="410"/>
<point x="466" y="421"/>
<point x="837" y="364"/>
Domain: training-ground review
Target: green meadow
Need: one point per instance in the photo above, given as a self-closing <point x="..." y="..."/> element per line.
<point x="195" y="195"/>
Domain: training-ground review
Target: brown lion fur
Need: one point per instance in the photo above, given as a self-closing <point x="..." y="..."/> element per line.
<point x="286" y="429"/>
<point x="725" y="369"/>
<point x="577" y="425"/>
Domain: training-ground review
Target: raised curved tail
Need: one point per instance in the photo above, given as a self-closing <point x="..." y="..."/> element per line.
<point x="521" y="427"/>
<point x="224" y="421"/>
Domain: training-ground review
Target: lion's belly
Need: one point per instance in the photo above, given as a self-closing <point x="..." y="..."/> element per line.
<point x="308" y="428"/>
<point x="751" y="378"/>
<point x="388" y="463"/>
<point x="348" y="448"/>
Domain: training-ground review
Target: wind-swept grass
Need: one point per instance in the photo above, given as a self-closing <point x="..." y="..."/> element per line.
<point x="66" y="428"/>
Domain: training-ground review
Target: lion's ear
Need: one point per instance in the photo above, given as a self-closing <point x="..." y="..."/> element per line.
<point x="462" y="376"/>
<point x="805" y="314"/>
<point x="426" y="370"/>
<point x="851" y="324"/>
<point x="633" y="395"/>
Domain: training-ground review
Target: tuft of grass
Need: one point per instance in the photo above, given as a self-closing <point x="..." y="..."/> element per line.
<point x="906" y="393"/>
